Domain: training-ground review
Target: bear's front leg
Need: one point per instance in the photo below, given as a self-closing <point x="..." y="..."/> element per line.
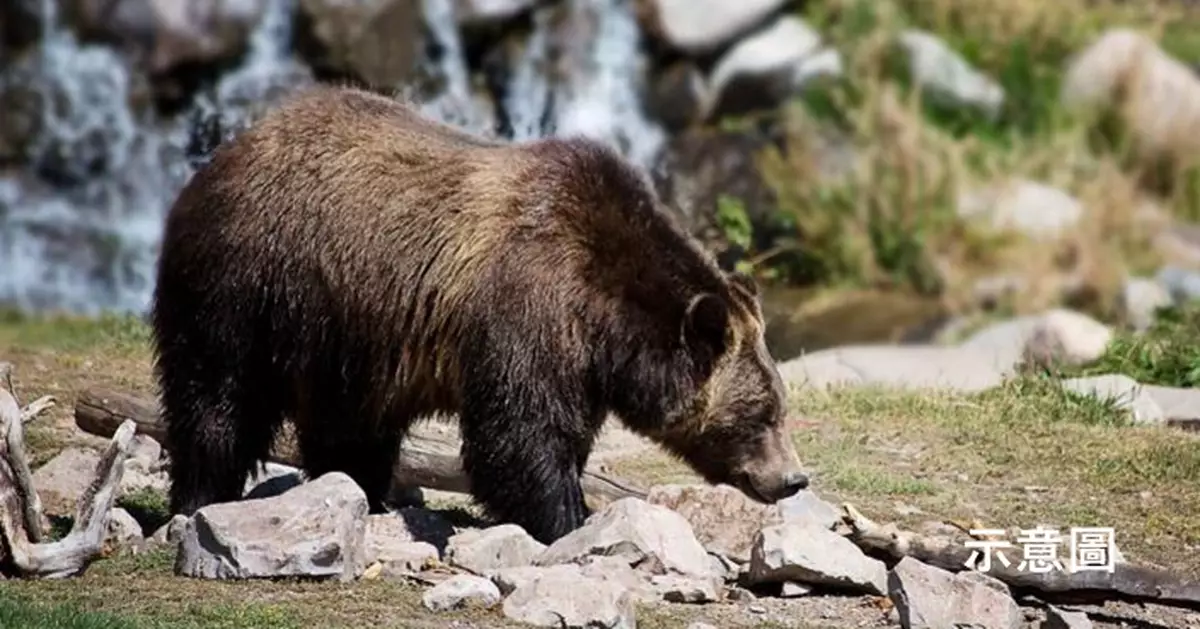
<point x="521" y="450"/>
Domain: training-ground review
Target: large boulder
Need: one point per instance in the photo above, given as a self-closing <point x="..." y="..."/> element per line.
<point x="376" y="41"/>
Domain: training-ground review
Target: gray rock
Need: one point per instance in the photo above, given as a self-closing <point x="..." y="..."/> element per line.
<point x="316" y="530"/>
<point x="1035" y="209"/>
<point x="815" y="556"/>
<point x="677" y="589"/>
<point x="411" y="524"/>
<point x="723" y="519"/>
<point x="701" y="26"/>
<point x="927" y="597"/>
<point x="502" y="546"/>
<point x="398" y="557"/>
<point x="1175" y="402"/>
<point x="169" y="533"/>
<point x="1140" y="300"/>
<point x="653" y="538"/>
<point x="461" y="591"/>
<point x="790" y="589"/>
<point x="63" y="479"/>
<point x="946" y="76"/>
<point x="1057" y="336"/>
<point x="767" y="67"/>
<point x="1062" y="619"/>
<point x="1182" y="284"/>
<point x="124" y="532"/>
<point x="1121" y="390"/>
<point x="562" y="596"/>
<point x="913" y="367"/>
<point x="805" y="507"/>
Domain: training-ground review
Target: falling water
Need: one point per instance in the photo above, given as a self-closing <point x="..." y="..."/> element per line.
<point x="79" y="228"/>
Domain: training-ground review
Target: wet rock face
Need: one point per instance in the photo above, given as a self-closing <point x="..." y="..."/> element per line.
<point x="378" y="42"/>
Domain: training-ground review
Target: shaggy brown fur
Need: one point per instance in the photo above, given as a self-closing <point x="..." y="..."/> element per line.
<point x="352" y="266"/>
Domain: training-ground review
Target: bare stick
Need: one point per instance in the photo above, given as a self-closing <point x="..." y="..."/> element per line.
<point x="21" y="550"/>
<point x="1127" y="582"/>
<point x="37" y="407"/>
<point x="427" y="458"/>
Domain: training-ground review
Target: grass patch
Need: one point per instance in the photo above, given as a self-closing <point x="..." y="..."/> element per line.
<point x="1022" y="454"/>
<point x="150" y="507"/>
<point x="1167" y="354"/>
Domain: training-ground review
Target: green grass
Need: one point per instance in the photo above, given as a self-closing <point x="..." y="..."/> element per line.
<point x="1167" y="354"/>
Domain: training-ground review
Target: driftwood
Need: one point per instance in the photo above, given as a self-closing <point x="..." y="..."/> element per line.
<point x="428" y="458"/>
<point x="1127" y="582"/>
<point x="23" y="551"/>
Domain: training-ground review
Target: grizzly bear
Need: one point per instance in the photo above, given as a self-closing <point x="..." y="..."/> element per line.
<point x="350" y="266"/>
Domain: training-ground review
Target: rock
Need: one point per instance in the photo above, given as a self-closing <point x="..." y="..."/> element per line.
<point x="1182" y="284"/>
<point x="789" y="589"/>
<point x="124" y="532"/>
<point x="946" y="77"/>
<point x="377" y="41"/>
<point x="1056" y="336"/>
<point x="805" y="507"/>
<point x="475" y="12"/>
<point x="63" y="479"/>
<point x="1154" y="94"/>
<point x="676" y="96"/>
<point x="764" y="69"/>
<point x="389" y="542"/>
<point x="724" y="519"/>
<point x="1061" y="619"/>
<point x="1141" y="298"/>
<point x="137" y="478"/>
<point x="170" y="533"/>
<point x="502" y="546"/>
<point x="316" y="530"/>
<point x="1032" y="208"/>
<point x="412" y="524"/>
<point x="651" y="537"/>
<point x="816" y="556"/>
<point x="963" y="369"/>
<point x="563" y="597"/>
<point x="702" y="26"/>
<point x="460" y="591"/>
<point x="701" y="625"/>
<point x="144" y="448"/>
<point x="1176" y="403"/>
<point x="928" y="597"/>
<point x="163" y="35"/>
<point x="610" y="569"/>
<point x="677" y="589"/>
<point x="701" y="166"/>
<point x="1121" y="390"/>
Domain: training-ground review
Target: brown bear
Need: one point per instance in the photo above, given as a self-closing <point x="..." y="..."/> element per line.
<point x="350" y="266"/>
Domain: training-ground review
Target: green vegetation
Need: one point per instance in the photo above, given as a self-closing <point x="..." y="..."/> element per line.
<point x="1166" y="354"/>
<point x="148" y="506"/>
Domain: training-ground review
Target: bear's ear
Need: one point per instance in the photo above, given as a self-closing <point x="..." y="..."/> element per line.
<point x="706" y="324"/>
<point x="745" y="282"/>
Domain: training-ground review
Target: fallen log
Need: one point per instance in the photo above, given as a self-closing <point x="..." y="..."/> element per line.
<point x="23" y="553"/>
<point x="1127" y="582"/>
<point x="428" y="457"/>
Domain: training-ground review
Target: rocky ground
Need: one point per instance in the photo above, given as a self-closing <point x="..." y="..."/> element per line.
<point x="915" y="435"/>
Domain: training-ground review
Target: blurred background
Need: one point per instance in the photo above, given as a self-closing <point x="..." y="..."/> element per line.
<point x="891" y="170"/>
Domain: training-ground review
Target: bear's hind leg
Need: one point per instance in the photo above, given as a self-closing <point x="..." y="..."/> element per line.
<point x="217" y="432"/>
<point x="522" y="447"/>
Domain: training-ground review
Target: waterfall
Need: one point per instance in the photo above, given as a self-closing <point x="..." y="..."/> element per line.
<point x="79" y="227"/>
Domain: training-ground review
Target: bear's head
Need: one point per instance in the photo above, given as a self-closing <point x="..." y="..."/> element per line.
<point x="731" y="428"/>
